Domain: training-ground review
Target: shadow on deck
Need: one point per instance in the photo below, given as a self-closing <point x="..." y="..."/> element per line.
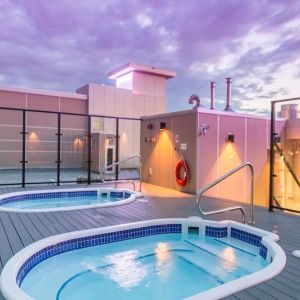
<point x="17" y="230"/>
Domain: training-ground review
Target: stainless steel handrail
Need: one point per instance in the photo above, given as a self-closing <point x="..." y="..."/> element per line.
<point x="218" y="180"/>
<point x="120" y="162"/>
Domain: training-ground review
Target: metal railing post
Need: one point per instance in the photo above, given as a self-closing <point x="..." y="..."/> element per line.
<point x="240" y="208"/>
<point x="272" y="158"/>
<point x="23" y="161"/>
<point x="58" y="161"/>
<point x="89" y="140"/>
<point x="115" y="164"/>
<point x="117" y="148"/>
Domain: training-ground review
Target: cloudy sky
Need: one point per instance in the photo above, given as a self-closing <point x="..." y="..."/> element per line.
<point x="63" y="44"/>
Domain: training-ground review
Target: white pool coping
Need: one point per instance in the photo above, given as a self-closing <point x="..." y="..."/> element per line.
<point x="276" y="255"/>
<point x="132" y="198"/>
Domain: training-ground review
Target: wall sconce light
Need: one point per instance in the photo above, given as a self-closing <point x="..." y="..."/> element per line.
<point x="229" y="138"/>
<point x="150" y="126"/>
<point x="162" y="125"/>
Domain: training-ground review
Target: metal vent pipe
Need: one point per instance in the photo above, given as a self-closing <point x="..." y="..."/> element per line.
<point x="212" y="94"/>
<point x="228" y="95"/>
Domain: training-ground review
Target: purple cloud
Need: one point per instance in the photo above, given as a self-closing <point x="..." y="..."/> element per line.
<point x="64" y="44"/>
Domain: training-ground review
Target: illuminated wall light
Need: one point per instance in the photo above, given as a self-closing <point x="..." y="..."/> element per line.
<point x="229" y="138"/>
<point x="77" y="143"/>
<point x="33" y="137"/>
<point x="162" y="126"/>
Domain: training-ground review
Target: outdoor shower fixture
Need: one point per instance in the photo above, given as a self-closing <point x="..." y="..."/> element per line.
<point x="195" y="98"/>
<point x="228" y="95"/>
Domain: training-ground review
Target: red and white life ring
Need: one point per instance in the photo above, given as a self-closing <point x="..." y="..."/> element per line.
<point x="182" y="181"/>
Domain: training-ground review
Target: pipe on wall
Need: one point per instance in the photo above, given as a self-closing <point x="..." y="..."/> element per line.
<point x="228" y="95"/>
<point x="212" y="94"/>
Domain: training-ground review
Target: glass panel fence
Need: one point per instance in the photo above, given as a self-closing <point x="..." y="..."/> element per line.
<point x="41" y="147"/>
<point x="129" y="144"/>
<point x="74" y="148"/>
<point x="103" y="148"/>
<point x="287" y="156"/>
<point x="10" y="146"/>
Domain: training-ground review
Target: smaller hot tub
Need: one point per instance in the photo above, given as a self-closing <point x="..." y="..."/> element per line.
<point x="65" y="199"/>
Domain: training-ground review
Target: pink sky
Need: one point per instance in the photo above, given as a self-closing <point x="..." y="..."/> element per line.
<point x="64" y="44"/>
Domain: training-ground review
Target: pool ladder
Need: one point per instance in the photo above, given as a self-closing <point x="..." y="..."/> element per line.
<point x="232" y="208"/>
<point x="126" y="180"/>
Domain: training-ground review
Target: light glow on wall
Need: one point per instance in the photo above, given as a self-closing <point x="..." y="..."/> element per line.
<point x="77" y="144"/>
<point x="125" y="81"/>
<point x="33" y="137"/>
<point x="229" y="156"/>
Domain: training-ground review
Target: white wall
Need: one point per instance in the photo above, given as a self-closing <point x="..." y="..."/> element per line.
<point x="147" y="97"/>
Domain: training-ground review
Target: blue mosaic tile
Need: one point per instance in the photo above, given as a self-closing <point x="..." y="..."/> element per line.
<point x="114" y="195"/>
<point x="47" y="195"/>
<point x="93" y="240"/>
<point x="247" y="237"/>
<point x="216" y="231"/>
<point x="127" y="195"/>
<point x="263" y="251"/>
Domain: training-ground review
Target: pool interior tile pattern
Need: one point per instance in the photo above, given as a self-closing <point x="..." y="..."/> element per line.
<point x="38" y="196"/>
<point x="122" y="235"/>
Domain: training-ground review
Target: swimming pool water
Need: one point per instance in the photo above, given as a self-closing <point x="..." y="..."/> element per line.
<point x="64" y="199"/>
<point x="59" y="202"/>
<point x="165" y="266"/>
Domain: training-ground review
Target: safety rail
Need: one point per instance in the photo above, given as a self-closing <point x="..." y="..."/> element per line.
<point x="232" y="208"/>
<point x="127" y="180"/>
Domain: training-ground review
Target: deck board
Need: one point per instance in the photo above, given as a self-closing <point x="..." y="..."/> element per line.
<point x="17" y="230"/>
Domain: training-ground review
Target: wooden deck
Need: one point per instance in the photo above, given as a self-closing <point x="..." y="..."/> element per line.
<point x="17" y="230"/>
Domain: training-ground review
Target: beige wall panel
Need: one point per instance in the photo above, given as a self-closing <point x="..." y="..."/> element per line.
<point x="230" y="156"/>
<point x="147" y="151"/>
<point x="73" y="105"/>
<point x="149" y="84"/>
<point x="74" y="122"/>
<point x="208" y="152"/>
<point x="10" y="145"/>
<point x="161" y="105"/>
<point x="128" y="110"/>
<point x="109" y="101"/>
<point x="119" y="101"/>
<point x="150" y="105"/>
<point x="138" y="84"/>
<point x="139" y="105"/>
<point x="257" y="154"/>
<point x="12" y="99"/>
<point x="10" y="117"/>
<point x="185" y="127"/>
<point x="161" y="157"/>
<point x="10" y="160"/>
<point x="10" y="133"/>
<point x="42" y="102"/>
<point x="40" y="119"/>
<point x="41" y="159"/>
<point x="160" y="87"/>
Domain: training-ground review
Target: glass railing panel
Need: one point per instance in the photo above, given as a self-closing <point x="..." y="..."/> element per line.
<point x="11" y="124"/>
